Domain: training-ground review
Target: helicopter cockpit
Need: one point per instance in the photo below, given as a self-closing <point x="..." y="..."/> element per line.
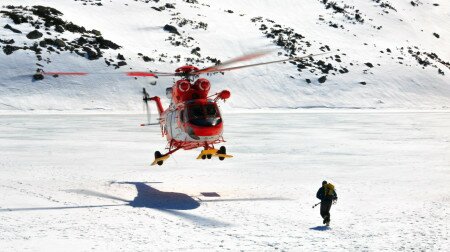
<point x="203" y="115"/>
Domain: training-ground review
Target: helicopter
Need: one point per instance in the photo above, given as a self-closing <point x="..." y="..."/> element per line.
<point x="193" y="118"/>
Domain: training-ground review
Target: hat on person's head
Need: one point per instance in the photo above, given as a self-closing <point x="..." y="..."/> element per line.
<point x="324" y="182"/>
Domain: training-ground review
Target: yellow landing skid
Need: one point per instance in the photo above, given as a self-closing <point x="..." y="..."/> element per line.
<point x="223" y="156"/>
<point x="163" y="158"/>
<point x="213" y="153"/>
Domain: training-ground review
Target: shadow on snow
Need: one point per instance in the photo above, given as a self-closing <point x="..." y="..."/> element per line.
<point x="320" y="228"/>
<point x="148" y="197"/>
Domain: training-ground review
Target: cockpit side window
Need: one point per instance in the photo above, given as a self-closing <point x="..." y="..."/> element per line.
<point x="211" y="110"/>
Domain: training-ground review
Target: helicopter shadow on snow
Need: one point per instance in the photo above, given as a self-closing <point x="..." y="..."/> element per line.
<point x="172" y="203"/>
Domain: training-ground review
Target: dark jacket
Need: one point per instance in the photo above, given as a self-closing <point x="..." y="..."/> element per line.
<point x="321" y="195"/>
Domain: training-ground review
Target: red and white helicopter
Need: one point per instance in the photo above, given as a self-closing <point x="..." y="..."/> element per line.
<point x="193" y="119"/>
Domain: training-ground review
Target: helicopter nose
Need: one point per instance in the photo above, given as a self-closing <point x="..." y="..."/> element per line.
<point x="199" y="131"/>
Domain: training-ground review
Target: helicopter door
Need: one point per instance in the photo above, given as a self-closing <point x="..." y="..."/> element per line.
<point x="169" y="120"/>
<point x="174" y="129"/>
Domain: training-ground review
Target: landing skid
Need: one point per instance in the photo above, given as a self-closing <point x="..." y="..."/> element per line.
<point x="159" y="158"/>
<point x="204" y="154"/>
<point x="209" y="153"/>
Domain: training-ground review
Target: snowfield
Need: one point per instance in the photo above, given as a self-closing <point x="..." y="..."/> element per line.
<point x="83" y="182"/>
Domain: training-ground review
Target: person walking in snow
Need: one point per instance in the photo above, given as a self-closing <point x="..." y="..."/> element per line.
<point x="326" y="194"/>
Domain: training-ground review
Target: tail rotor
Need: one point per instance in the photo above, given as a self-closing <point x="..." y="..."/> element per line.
<point x="147" y="108"/>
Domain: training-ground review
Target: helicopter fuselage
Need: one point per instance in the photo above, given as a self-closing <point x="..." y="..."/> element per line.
<point x="192" y="119"/>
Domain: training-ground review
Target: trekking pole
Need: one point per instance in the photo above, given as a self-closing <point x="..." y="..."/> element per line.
<point x="316" y="204"/>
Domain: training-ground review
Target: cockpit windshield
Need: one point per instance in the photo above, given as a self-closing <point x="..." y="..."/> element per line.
<point x="204" y="115"/>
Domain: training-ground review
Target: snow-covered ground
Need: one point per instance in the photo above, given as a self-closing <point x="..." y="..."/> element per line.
<point x="83" y="182"/>
<point x="74" y="180"/>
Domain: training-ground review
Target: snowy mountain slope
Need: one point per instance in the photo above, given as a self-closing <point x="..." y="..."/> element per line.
<point x="383" y="55"/>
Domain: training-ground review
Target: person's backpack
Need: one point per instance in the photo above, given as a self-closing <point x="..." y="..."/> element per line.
<point x="329" y="190"/>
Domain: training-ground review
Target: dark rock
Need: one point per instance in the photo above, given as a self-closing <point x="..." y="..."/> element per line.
<point x="169" y="6"/>
<point x="146" y="58"/>
<point x="59" y="29"/>
<point x="156" y="8"/>
<point x="334" y="25"/>
<point x="38" y="76"/>
<point x="195" y="51"/>
<point x="34" y="34"/>
<point x="229" y="11"/>
<point x="369" y="64"/>
<point x="121" y="63"/>
<point x="171" y="29"/>
<point x="74" y="28"/>
<point x="436" y="35"/>
<point x="96" y="32"/>
<point x="16" y="17"/>
<point x="81" y="41"/>
<point x="322" y="79"/>
<point x="120" y="57"/>
<point x="9" y="27"/>
<point x="343" y="70"/>
<point x="308" y="81"/>
<point x="301" y="66"/>
<point x="43" y="11"/>
<point x="9" y="49"/>
<point x="7" y="42"/>
<point x="59" y="43"/>
<point x="91" y="55"/>
<point x="35" y="48"/>
<point x="106" y="44"/>
<point x="362" y="83"/>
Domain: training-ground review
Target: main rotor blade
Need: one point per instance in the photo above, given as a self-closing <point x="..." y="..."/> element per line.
<point x="96" y="194"/>
<point x="131" y="74"/>
<point x="265" y="63"/>
<point x="66" y="73"/>
<point x="232" y="61"/>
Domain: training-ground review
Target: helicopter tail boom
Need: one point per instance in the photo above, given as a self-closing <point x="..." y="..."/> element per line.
<point x="156" y="99"/>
